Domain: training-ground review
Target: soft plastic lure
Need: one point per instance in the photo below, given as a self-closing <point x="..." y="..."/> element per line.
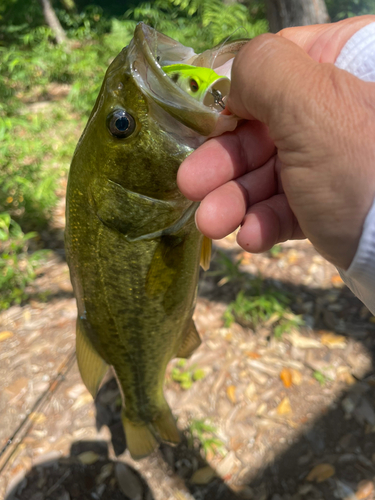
<point x="202" y="83"/>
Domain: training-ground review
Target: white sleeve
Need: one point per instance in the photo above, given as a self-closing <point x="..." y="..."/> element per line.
<point x="358" y="57"/>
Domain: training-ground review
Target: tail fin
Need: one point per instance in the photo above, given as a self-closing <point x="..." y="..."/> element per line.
<point x="143" y="438"/>
<point x="139" y="439"/>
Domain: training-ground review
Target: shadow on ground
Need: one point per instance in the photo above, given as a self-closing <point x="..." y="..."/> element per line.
<point x="342" y="438"/>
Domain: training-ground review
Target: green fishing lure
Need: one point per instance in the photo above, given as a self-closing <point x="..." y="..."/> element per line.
<point x="203" y="84"/>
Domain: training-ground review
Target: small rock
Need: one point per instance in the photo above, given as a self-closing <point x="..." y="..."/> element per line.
<point x="344" y="491"/>
<point x="364" y="413"/>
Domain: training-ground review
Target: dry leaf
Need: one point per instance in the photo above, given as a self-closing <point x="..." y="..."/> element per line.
<point x="286" y="377"/>
<point x="332" y="340"/>
<point x="129" y="482"/>
<point x="364" y="489"/>
<point x="88" y="457"/>
<point x="203" y="476"/>
<point x="297" y="376"/>
<point x="337" y="281"/>
<point x="300" y="341"/>
<point x="284" y="407"/>
<point x="37" y="418"/>
<point x="231" y="393"/>
<point x="321" y="472"/>
<point x="5" y="335"/>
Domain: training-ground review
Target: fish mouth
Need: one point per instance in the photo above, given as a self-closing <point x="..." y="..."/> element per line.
<point x="150" y="51"/>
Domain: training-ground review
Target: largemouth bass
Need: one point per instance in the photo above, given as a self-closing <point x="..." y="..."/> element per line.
<point x="132" y="246"/>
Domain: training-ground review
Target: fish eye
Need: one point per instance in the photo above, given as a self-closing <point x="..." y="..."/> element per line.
<point x="193" y="85"/>
<point x="120" y="123"/>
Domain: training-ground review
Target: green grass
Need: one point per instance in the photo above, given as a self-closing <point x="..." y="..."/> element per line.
<point x="186" y="377"/>
<point x="201" y="433"/>
<point x="17" y="266"/>
<point x="269" y="307"/>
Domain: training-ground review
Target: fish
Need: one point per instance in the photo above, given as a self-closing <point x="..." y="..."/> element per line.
<point x="132" y="246"/>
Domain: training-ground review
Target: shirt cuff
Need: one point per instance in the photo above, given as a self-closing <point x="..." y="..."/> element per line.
<point x="358" y="58"/>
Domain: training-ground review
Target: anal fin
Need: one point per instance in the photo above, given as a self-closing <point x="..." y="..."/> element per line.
<point x="166" y="428"/>
<point x="206" y="250"/>
<point x="190" y="343"/>
<point x="91" y="366"/>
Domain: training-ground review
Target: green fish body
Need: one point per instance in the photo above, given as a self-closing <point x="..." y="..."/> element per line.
<point x="132" y="246"/>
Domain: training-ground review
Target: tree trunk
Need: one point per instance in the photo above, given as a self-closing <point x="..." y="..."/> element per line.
<point x="286" y="13"/>
<point x="53" y="22"/>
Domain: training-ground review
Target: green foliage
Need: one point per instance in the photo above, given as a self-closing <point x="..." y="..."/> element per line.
<point x="267" y="308"/>
<point x="276" y="250"/>
<point x="201" y="433"/>
<point x="17" y="267"/>
<point x="187" y="377"/>
<point x="197" y="23"/>
<point x="341" y="9"/>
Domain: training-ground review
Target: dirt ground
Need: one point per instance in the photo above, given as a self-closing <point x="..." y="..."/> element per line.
<point x="268" y="418"/>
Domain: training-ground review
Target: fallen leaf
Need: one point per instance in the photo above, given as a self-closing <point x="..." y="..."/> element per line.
<point x="300" y="341"/>
<point x="332" y="340"/>
<point x="261" y="409"/>
<point x="284" y="407"/>
<point x="364" y="489"/>
<point x="231" y="393"/>
<point x="129" y="482"/>
<point x="203" y="476"/>
<point x="37" y="418"/>
<point x="286" y="377"/>
<point x="252" y="355"/>
<point x="5" y="335"/>
<point x="321" y="472"/>
<point x="88" y="457"/>
<point x="337" y="281"/>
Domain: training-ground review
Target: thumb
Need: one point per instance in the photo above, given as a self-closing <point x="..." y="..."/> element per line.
<point x="268" y="75"/>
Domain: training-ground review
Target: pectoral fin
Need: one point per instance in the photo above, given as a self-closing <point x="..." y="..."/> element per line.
<point x="206" y="253"/>
<point x="91" y="366"/>
<point x="190" y="343"/>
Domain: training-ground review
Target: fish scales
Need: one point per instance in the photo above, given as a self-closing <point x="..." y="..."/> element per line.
<point x="132" y="245"/>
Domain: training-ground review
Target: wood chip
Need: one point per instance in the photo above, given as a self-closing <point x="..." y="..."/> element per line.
<point x="332" y="340"/>
<point x="297" y="377"/>
<point x="37" y="418"/>
<point x="321" y="472"/>
<point x="364" y="489"/>
<point x="302" y="342"/>
<point x="286" y="377"/>
<point x="5" y="335"/>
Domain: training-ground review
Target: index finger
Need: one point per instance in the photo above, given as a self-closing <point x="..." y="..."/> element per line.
<point x="225" y="158"/>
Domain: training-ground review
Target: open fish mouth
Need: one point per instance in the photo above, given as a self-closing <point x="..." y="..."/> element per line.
<point x="150" y="52"/>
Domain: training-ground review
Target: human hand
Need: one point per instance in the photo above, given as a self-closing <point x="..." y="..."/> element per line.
<point x="303" y="162"/>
